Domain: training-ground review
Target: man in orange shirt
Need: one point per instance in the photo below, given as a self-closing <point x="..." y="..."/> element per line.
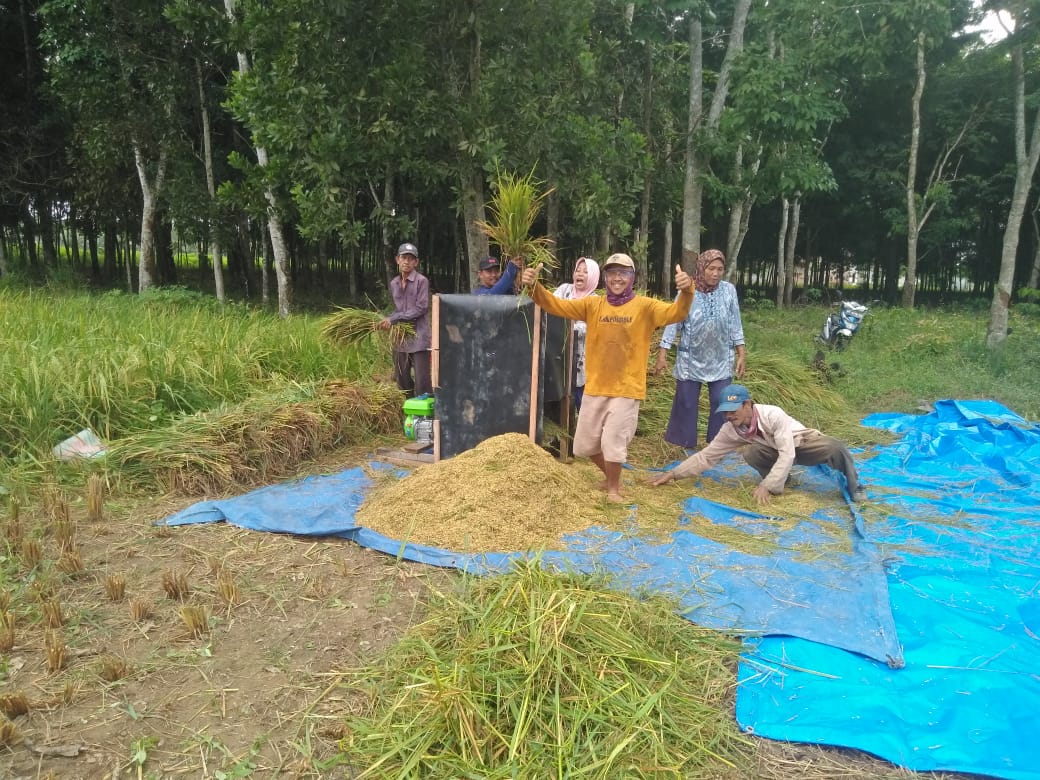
<point x="617" y="344"/>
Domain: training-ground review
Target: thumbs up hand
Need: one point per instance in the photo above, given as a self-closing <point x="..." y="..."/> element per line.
<point x="682" y="279"/>
<point x="530" y="275"/>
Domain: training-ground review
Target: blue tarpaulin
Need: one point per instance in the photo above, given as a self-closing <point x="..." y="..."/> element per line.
<point x="944" y="578"/>
<point x="815" y="583"/>
<point x="961" y="532"/>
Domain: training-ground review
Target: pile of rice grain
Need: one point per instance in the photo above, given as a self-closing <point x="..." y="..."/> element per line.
<point x="506" y="494"/>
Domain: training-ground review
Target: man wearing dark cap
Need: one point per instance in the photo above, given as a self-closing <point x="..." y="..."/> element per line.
<point x="493" y="281"/>
<point x="410" y="292"/>
<point x="773" y="442"/>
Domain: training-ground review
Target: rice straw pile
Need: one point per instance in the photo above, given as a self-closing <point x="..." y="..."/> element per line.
<point x="509" y="495"/>
<point x="532" y="675"/>
<point x="265" y="437"/>
<point x="505" y="494"/>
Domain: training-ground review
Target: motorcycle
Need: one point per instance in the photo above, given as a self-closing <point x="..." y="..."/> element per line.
<point x="841" y="325"/>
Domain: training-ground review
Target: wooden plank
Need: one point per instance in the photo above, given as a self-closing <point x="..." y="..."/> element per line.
<point x="417" y="446"/>
<point x="532" y="427"/>
<point x="402" y="458"/>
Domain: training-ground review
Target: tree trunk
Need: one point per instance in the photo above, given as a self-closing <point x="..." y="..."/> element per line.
<point x="73" y="236"/>
<point x="149" y="206"/>
<point x="3" y="256"/>
<point x="792" y="241"/>
<point x="664" y="284"/>
<point x="666" y="254"/>
<point x="50" y="254"/>
<point x="740" y="214"/>
<point x="692" y="188"/>
<point x="207" y="158"/>
<point x="111" y="251"/>
<point x="29" y="232"/>
<point x="1034" y="272"/>
<point x="129" y="267"/>
<point x="274" y="221"/>
<point x="1025" y="165"/>
<point x="552" y="217"/>
<point x="265" y="264"/>
<point x="912" y="227"/>
<point x="472" y="195"/>
<point x="781" y="239"/>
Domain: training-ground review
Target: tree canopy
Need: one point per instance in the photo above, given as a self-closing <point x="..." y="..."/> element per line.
<point x="359" y="125"/>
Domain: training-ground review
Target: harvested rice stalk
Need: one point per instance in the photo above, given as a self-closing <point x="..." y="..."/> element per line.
<point x="95" y="498"/>
<point x="175" y="585"/>
<point x="9" y="733"/>
<point x="55" y="644"/>
<point x="112" y="668"/>
<point x="351" y="326"/>
<point x="115" y="587"/>
<point x="52" y="614"/>
<point x="13" y="705"/>
<point x="7" y="636"/>
<point x="263" y="438"/>
<point x="140" y="610"/>
<point x="533" y="675"/>
<point x="514" y="208"/>
<point x="196" y="620"/>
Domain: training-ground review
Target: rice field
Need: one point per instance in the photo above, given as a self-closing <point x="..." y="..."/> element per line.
<point x="147" y="372"/>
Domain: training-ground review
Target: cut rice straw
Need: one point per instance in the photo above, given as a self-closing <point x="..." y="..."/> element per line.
<point x="513" y="208"/>
<point x="538" y="675"/>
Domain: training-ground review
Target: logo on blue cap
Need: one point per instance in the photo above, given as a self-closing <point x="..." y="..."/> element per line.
<point x="732" y="398"/>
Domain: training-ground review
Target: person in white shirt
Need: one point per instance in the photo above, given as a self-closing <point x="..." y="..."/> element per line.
<point x="773" y="442"/>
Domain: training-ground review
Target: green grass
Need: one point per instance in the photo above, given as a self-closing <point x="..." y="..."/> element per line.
<point x="899" y="358"/>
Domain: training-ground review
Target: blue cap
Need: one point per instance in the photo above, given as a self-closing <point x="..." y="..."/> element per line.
<point x="732" y="398"/>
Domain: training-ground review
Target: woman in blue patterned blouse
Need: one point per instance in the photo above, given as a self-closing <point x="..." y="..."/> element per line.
<point x="711" y="350"/>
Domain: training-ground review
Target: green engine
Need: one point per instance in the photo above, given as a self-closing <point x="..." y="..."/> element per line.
<point x="418" y="419"/>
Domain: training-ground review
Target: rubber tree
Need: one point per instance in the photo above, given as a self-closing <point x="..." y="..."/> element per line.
<point x="931" y="24"/>
<point x="1022" y="43"/>
<point x="120" y="69"/>
<point x="248" y="113"/>
<point x="701" y="127"/>
<point x="786" y="95"/>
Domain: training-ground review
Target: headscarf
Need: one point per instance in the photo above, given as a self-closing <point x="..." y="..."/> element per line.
<point x="703" y="260"/>
<point x="591" y="277"/>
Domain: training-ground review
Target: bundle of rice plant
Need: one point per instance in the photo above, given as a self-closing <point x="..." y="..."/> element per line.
<point x="264" y="437"/>
<point x="533" y="675"/>
<point x="351" y="326"/>
<point x="513" y="209"/>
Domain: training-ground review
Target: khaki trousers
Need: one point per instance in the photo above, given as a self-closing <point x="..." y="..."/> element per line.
<point x="815" y="449"/>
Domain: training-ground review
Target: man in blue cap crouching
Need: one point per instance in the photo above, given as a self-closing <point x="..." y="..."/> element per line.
<point x="773" y="442"/>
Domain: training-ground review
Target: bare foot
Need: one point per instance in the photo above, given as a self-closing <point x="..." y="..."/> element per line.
<point x="615" y="498"/>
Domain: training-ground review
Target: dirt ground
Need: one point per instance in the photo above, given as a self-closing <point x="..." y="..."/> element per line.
<point x="261" y="691"/>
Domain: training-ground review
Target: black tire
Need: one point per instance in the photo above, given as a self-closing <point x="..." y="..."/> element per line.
<point x="840" y="342"/>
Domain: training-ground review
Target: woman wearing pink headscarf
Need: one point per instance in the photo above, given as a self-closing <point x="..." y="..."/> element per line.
<point x="585" y="281"/>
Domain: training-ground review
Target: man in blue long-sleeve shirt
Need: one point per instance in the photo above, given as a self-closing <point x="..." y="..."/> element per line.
<point x="493" y="281"/>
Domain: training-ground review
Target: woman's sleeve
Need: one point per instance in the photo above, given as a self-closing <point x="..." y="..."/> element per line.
<point x="736" y="326"/>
